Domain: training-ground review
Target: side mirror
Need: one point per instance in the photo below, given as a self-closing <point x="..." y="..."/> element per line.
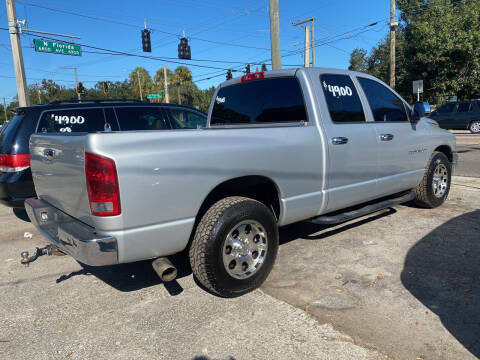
<point x="420" y="109"/>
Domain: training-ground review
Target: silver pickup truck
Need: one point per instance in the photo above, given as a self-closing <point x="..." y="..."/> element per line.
<point x="313" y="144"/>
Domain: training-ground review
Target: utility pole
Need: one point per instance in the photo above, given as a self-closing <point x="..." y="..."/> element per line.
<point x="393" y="25"/>
<point x="139" y="85"/>
<point x="307" y="47"/>
<point x="312" y="42"/>
<point x="38" y="93"/>
<point x="275" y="35"/>
<point x="74" y="68"/>
<point x="165" y="84"/>
<point x="5" y="109"/>
<point x="14" y="30"/>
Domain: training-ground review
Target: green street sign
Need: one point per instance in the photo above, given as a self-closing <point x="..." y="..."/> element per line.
<point x="56" y="47"/>
<point x="154" y="96"/>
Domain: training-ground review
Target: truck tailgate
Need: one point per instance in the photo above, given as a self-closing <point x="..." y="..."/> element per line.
<point x="58" y="170"/>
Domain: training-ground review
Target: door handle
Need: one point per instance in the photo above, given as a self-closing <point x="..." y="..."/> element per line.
<point x="386" y="137"/>
<point x="339" y="140"/>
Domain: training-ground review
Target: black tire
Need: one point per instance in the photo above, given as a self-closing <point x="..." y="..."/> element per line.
<point x="424" y="193"/>
<point x="206" y="250"/>
<point x="474" y="127"/>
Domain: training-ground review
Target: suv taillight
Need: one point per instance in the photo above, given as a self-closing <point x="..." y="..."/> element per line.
<point x="14" y="162"/>
<point x="102" y="185"/>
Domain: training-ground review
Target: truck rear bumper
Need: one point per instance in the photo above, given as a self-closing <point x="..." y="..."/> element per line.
<point x="72" y="236"/>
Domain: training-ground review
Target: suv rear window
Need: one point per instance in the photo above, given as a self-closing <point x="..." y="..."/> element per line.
<point x="8" y="133"/>
<point x="72" y="120"/>
<point x="276" y="100"/>
<point x="184" y="119"/>
<point x="132" y="118"/>
<point x="342" y="98"/>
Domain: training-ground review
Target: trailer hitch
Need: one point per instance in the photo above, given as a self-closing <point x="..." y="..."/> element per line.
<point x="47" y="250"/>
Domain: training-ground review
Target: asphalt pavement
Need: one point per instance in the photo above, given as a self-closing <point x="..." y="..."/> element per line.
<point x="404" y="281"/>
<point x="58" y="309"/>
<point x="399" y="284"/>
<point x="468" y="148"/>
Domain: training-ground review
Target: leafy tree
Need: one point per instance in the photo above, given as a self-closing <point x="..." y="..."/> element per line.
<point x="140" y="73"/>
<point x="264" y="67"/>
<point x="358" y="60"/>
<point x="183" y="86"/>
<point x="437" y="42"/>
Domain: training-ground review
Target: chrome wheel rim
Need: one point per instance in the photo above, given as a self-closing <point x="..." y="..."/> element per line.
<point x="244" y="249"/>
<point x="440" y="180"/>
<point x="476" y="127"/>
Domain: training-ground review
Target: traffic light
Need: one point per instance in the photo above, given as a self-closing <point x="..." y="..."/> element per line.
<point x="248" y="69"/>
<point x="184" y="49"/>
<point x="81" y="89"/>
<point x="229" y="74"/>
<point x="146" y="43"/>
<point x="105" y="87"/>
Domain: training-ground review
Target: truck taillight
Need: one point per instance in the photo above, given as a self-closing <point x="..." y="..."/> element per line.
<point x="14" y="162"/>
<point x="253" y="76"/>
<point x="102" y="185"/>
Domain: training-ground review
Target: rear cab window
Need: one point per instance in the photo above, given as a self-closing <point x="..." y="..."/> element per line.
<point x="265" y="101"/>
<point x="74" y="120"/>
<point x="342" y="99"/>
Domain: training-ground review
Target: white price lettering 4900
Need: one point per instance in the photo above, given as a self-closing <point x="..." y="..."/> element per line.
<point x="338" y="91"/>
<point x="69" y="119"/>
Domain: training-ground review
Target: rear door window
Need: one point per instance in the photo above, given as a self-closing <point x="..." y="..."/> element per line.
<point x="131" y="118"/>
<point x="446" y="108"/>
<point x="385" y="105"/>
<point x="72" y="120"/>
<point x="464" y="107"/>
<point x="342" y="99"/>
<point x="185" y="119"/>
<point x="277" y="100"/>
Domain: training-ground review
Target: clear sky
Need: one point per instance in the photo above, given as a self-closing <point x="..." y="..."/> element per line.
<point x="211" y="25"/>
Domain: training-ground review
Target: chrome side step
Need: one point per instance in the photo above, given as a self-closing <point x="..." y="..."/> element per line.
<point x="368" y="209"/>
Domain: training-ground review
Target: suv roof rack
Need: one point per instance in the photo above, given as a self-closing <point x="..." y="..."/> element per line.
<point x="76" y="101"/>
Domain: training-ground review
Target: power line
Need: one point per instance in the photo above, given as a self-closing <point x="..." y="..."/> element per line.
<point x="136" y="26"/>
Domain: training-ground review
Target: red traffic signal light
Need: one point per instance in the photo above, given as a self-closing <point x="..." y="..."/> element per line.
<point x="184" y="49"/>
<point x="146" y="42"/>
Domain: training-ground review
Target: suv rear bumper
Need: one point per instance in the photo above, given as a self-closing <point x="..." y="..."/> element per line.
<point x="16" y="187"/>
<point x="72" y="236"/>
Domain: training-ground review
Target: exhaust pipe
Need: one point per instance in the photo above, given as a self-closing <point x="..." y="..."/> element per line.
<point x="165" y="269"/>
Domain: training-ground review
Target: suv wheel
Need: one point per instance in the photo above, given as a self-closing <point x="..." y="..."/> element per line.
<point x="475" y="127"/>
<point x="234" y="247"/>
<point x="435" y="185"/>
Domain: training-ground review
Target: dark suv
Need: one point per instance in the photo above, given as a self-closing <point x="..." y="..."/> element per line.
<point x="71" y="116"/>
<point x="463" y="115"/>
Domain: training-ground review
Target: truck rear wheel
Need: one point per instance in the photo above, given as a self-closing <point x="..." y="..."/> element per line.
<point x="435" y="185"/>
<point x="235" y="246"/>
